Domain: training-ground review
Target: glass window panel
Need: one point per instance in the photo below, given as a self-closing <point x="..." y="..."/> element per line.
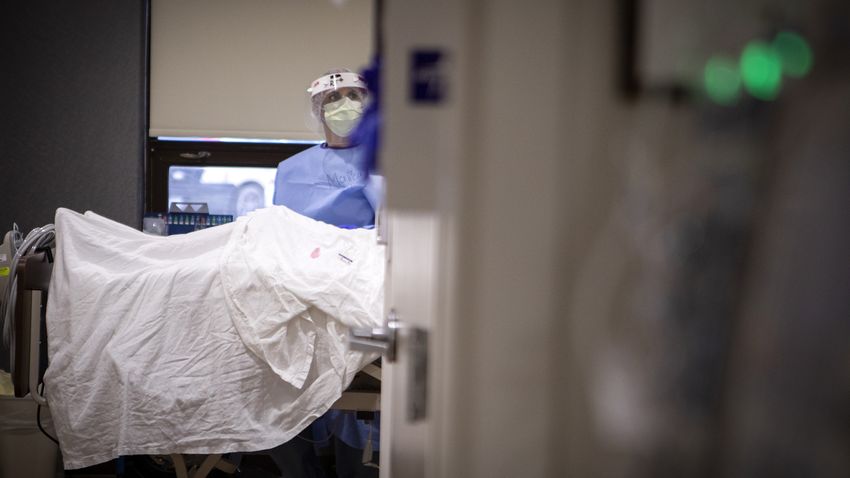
<point x="226" y="189"/>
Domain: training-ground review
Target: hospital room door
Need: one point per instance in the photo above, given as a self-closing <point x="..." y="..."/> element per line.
<point x="421" y="137"/>
<point x="473" y="198"/>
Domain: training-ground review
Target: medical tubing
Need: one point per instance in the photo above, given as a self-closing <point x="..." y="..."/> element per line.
<point x="9" y="293"/>
<point x="37" y="238"/>
<point x="38" y="420"/>
<point x="316" y="442"/>
<point x="17" y="239"/>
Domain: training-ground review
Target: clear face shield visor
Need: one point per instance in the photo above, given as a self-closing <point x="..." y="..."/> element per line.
<point x="337" y="100"/>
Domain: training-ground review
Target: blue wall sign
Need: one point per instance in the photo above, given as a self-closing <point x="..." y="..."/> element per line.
<point x="427" y="76"/>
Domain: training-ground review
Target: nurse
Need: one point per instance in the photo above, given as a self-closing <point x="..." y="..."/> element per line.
<point x="328" y="182"/>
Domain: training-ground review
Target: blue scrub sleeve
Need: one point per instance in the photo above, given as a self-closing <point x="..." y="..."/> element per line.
<point x="374" y="191"/>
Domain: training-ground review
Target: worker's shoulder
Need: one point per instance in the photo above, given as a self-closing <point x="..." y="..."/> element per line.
<point x="301" y="157"/>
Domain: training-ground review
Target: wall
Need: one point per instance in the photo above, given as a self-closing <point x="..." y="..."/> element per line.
<point x="73" y="110"/>
<point x="241" y="69"/>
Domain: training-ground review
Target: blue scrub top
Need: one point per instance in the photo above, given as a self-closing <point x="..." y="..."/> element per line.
<point x="329" y="185"/>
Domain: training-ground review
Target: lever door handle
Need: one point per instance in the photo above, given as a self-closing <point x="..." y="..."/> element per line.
<point x="376" y="339"/>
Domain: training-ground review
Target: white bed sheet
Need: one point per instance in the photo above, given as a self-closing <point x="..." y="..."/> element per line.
<point x="223" y="340"/>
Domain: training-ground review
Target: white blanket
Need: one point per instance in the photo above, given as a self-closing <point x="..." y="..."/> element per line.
<point x="223" y="340"/>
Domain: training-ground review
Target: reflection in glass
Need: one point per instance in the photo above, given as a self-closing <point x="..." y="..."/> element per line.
<point x="226" y="189"/>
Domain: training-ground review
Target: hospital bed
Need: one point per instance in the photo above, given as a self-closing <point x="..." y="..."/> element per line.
<point x="29" y="352"/>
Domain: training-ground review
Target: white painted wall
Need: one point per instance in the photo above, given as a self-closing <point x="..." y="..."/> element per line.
<point x="241" y="69"/>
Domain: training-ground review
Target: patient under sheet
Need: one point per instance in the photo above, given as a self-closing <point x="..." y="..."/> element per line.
<point x="223" y="340"/>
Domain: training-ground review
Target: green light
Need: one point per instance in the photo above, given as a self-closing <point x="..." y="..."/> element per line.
<point x="795" y="53"/>
<point x="761" y="70"/>
<point x="721" y="80"/>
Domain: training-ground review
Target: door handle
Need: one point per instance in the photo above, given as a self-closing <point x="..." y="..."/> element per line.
<point x="383" y="340"/>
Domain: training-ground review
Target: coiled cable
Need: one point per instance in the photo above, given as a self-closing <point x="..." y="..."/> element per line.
<point x="39" y="237"/>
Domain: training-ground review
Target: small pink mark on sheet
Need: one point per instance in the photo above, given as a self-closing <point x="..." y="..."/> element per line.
<point x="316" y="252"/>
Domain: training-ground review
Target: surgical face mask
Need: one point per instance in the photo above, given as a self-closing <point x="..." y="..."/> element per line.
<point x="342" y="116"/>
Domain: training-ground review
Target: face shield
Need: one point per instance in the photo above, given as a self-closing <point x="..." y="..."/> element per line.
<point x="337" y="100"/>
